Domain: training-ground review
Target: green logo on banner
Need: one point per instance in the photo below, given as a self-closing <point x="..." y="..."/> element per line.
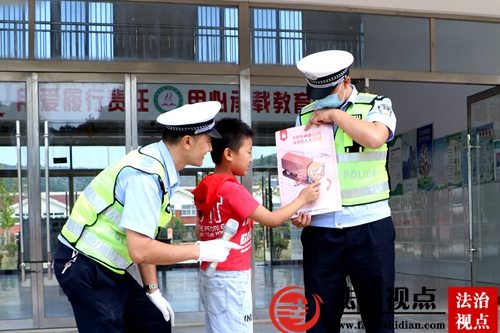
<point x="168" y="98"/>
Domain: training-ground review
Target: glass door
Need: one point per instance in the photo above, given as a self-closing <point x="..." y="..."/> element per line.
<point x="484" y="186"/>
<point x="81" y="131"/>
<point x="263" y="236"/>
<point x="56" y="133"/>
<point x="16" y="299"/>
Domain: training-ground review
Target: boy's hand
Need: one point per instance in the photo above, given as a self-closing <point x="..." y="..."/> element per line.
<point x="310" y="193"/>
<point x="302" y="220"/>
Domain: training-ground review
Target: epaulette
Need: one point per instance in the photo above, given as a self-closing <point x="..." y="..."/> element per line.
<point x="365" y="98"/>
<point x="309" y="108"/>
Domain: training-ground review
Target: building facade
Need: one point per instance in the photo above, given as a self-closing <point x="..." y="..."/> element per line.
<point x="82" y="82"/>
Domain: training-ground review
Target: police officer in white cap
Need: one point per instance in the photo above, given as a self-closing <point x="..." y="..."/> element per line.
<point x="357" y="241"/>
<point x="114" y="224"/>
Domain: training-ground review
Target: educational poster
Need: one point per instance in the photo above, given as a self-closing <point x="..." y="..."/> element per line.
<point x="425" y="158"/>
<point x="395" y="165"/>
<point x="496" y="151"/>
<point x="410" y="162"/>
<point x="454" y="159"/>
<point x="440" y="165"/>
<point x="307" y="157"/>
<point x="482" y="161"/>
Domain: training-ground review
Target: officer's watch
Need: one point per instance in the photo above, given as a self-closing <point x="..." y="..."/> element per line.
<point x="148" y="287"/>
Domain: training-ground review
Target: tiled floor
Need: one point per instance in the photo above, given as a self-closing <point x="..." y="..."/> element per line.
<point x="269" y="280"/>
<point x="179" y="286"/>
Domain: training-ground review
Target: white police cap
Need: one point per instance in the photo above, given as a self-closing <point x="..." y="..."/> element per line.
<point x="191" y="119"/>
<point x="324" y="70"/>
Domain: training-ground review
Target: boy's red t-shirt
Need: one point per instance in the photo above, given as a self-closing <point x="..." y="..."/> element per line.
<point x="220" y="197"/>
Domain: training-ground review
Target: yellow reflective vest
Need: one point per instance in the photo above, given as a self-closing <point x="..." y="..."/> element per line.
<point x="93" y="226"/>
<point x="362" y="171"/>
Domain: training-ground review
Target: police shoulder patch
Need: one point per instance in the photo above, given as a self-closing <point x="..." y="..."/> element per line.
<point x="385" y="109"/>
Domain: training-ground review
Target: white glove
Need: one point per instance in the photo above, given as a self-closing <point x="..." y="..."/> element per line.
<point x="163" y="305"/>
<point x="216" y="250"/>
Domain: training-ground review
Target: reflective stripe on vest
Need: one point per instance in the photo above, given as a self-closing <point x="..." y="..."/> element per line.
<point x="94" y="199"/>
<point x="365" y="191"/>
<point x="111" y="213"/>
<point x="94" y="225"/>
<point x="362" y="171"/>
<point x="362" y="157"/>
<point x="107" y="251"/>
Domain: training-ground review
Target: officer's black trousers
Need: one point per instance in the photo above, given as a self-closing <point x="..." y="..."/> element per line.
<point x="104" y="301"/>
<point x="366" y="254"/>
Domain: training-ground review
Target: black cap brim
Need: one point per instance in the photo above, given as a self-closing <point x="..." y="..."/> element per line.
<point x="319" y="93"/>
<point x="213" y="133"/>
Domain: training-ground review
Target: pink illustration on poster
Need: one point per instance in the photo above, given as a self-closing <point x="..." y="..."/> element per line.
<point x="305" y="157"/>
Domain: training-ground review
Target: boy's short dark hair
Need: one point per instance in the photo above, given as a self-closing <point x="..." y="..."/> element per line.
<point x="233" y="132"/>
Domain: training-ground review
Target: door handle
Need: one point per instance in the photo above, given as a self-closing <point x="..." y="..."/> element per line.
<point x="20" y="194"/>
<point x="47" y="198"/>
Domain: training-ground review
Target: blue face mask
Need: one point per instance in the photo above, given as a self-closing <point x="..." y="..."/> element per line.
<point x="331" y="101"/>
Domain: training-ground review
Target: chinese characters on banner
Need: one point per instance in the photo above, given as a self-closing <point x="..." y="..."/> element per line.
<point x="80" y="102"/>
<point x="269" y="103"/>
<point x="472" y="309"/>
<point x="66" y="102"/>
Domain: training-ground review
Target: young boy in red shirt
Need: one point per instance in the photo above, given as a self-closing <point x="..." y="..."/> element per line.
<point x="227" y="296"/>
